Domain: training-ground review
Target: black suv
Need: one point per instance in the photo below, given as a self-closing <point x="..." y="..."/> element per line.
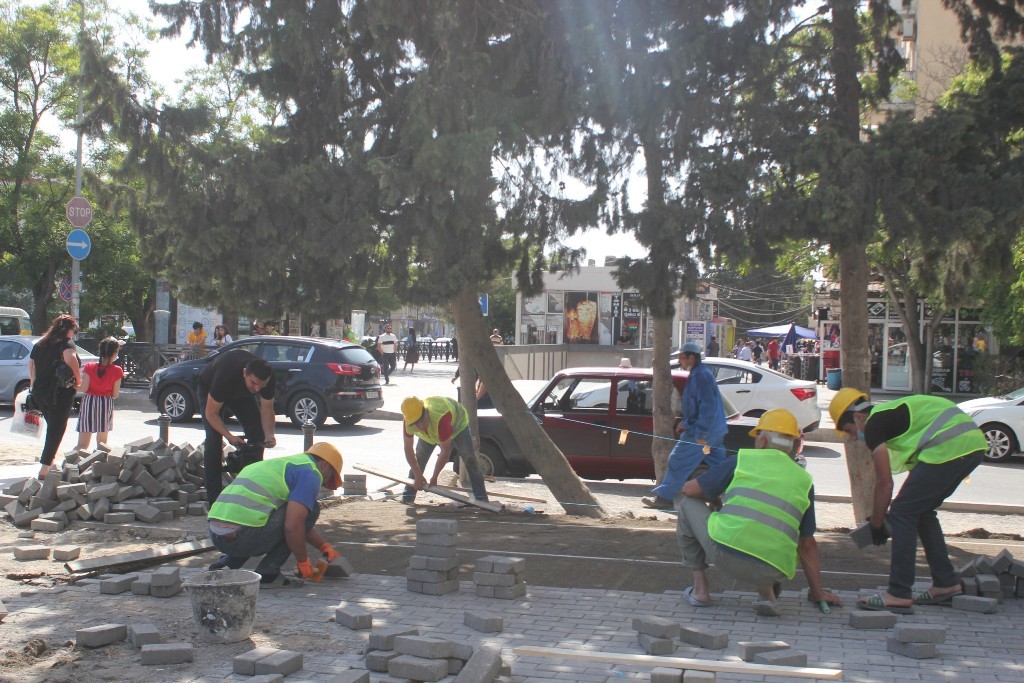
<point x="315" y="378"/>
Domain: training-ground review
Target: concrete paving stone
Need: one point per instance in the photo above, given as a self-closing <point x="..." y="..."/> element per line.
<point x="912" y="650"/>
<point x="426" y="647"/>
<point x="919" y="633"/>
<point x="352" y="616"/>
<point x="786" y="657"/>
<point x="418" y="668"/>
<point x="659" y="627"/>
<point x="491" y="579"/>
<point x="482" y="667"/>
<point x="166" y="653"/>
<point x="282" y="662"/>
<point x="484" y="622"/>
<point x="142" y="584"/>
<point x="430" y="576"/>
<point x="245" y="663"/>
<point x="377" y="660"/>
<point x="664" y="675"/>
<point x="656" y="646"/>
<point x="972" y="603"/>
<point x="1000" y="563"/>
<point x="144" y="634"/>
<point x="26" y="553"/>
<point x="867" y="619"/>
<point x="384" y="638"/>
<point x="66" y="553"/>
<point x="47" y="525"/>
<point x="117" y="585"/>
<point x="509" y="565"/>
<point x="435" y="550"/>
<point x="509" y="592"/>
<point x="352" y="676"/>
<point x="750" y="649"/>
<point x="433" y="563"/>
<point x="702" y="637"/>
<point x="485" y="564"/>
<point x="440" y="588"/>
<point x="693" y="676"/>
<point x="455" y="665"/>
<point x="166" y="576"/>
<point x="437" y="526"/>
<point x="164" y="591"/>
<point x="98" y="636"/>
<point x="443" y="540"/>
<point x="987" y="582"/>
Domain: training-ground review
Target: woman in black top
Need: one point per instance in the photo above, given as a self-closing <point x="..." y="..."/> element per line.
<point x="55" y="402"/>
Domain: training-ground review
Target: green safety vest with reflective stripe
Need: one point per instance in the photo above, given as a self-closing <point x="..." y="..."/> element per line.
<point x="762" y="508"/>
<point x="939" y="432"/>
<point x="257" y="491"/>
<point x="437" y="407"/>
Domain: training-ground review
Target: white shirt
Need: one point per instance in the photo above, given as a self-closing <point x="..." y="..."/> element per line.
<point x="745" y="353"/>
<point x="387" y="343"/>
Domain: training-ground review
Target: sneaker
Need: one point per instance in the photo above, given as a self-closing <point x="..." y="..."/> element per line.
<point x="656" y="503"/>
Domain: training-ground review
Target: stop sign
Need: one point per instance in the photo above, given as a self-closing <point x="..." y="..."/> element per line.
<point x="79" y="212"/>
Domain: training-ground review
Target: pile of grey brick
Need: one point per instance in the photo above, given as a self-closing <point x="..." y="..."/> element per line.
<point x="917" y="641"/>
<point x="434" y="566"/>
<point x="145" y="480"/>
<point x="403" y="653"/>
<point x="354" y="485"/>
<point x="496" y="576"/>
<point x="163" y="583"/>
<point x="990" y="580"/>
<point x="263" y="661"/>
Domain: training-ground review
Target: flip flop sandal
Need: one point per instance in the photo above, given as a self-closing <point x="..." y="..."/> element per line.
<point x="692" y="599"/>
<point x="766" y="608"/>
<point x="926" y="598"/>
<point x="876" y="603"/>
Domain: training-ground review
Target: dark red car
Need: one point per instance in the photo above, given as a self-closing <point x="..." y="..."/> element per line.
<point x="585" y="411"/>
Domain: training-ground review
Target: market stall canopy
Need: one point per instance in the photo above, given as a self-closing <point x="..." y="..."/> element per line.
<point x="783" y="330"/>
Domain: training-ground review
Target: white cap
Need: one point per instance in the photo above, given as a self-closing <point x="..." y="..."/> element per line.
<point x="624" y="363"/>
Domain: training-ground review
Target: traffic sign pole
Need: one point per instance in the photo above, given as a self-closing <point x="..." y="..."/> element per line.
<point x="76" y="279"/>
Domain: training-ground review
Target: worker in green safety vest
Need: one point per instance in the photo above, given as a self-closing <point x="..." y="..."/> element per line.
<point x="438" y="421"/>
<point x="763" y="520"/>
<point x="940" y="445"/>
<point x="270" y="509"/>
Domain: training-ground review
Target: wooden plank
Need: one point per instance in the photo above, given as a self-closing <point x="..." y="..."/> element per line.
<point x="681" y="663"/>
<point x="495" y="495"/>
<point x="140" y="557"/>
<point x="484" y="505"/>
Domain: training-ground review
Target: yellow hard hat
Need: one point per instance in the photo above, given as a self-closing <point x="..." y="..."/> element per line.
<point x="778" y="420"/>
<point x="330" y="455"/>
<point x="843" y="401"/>
<point x="412" y="410"/>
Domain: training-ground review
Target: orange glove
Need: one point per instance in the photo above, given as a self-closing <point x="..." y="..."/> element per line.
<point x="329" y="553"/>
<point x="305" y="569"/>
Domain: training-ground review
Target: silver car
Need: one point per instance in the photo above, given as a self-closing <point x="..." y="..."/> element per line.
<point x="14" y="352"/>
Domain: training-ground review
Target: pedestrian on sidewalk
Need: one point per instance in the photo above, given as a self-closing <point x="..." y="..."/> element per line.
<point x="387" y="346"/>
<point x="701" y="430"/>
<point x="54" y="372"/>
<point x="438" y="421"/>
<point x="412" y="351"/>
<point x="271" y="509"/>
<point x="940" y="445"/>
<point x="763" y="521"/>
<point x="101" y="383"/>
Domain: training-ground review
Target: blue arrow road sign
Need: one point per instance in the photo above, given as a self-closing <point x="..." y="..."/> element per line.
<point x="79" y="244"/>
<point x="483" y="304"/>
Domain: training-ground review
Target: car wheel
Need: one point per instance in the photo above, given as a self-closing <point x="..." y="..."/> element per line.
<point x="348" y="420"/>
<point x="1001" y="442"/>
<point x="492" y="463"/>
<point x="307" y="406"/>
<point x="177" y="402"/>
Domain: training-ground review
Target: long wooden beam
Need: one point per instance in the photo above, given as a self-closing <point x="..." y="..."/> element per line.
<point x="482" y="504"/>
<point x="681" y="663"/>
<point x="496" y="495"/>
<point x="157" y="555"/>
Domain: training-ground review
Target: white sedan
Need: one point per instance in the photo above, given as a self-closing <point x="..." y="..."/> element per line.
<point x="1002" y="420"/>
<point x="754" y="389"/>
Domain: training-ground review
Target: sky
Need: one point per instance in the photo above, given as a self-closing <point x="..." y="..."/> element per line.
<point x="169" y="59"/>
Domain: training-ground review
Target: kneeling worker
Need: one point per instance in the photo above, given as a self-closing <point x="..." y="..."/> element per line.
<point x="270" y="510"/>
<point x="766" y="520"/>
<point x="439" y="421"/>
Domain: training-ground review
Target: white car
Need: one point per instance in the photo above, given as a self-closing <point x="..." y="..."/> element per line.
<point x="754" y="389"/>
<point x="1002" y="420"/>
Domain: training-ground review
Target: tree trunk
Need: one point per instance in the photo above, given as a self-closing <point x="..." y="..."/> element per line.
<point x="664" y="437"/>
<point x="477" y="352"/>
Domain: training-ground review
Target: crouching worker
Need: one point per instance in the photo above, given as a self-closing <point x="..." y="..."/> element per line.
<point x="270" y="509"/>
<point x="438" y="421"/>
<point x="765" y="520"/>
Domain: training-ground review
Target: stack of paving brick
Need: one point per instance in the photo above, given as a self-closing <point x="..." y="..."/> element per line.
<point x="145" y="480"/>
<point x="354" y="485"/>
<point x="500" y="577"/>
<point x="987" y="581"/>
<point x="434" y="568"/>
<point x="163" y="583"/>
<point x="917" y="641"/>
<point x="403" y="653"/>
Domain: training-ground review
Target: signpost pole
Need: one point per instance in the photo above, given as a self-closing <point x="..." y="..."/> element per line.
<point x="76" y="270"/>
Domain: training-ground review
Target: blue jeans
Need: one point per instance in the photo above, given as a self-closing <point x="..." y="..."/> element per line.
<point x="912" y="514"/>
<point x="462" y="446"/>
<point x="683" y="460"/>
<point x="267" y="540"/>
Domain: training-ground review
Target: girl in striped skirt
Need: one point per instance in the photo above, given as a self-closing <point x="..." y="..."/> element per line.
<point x="101" y="383"/>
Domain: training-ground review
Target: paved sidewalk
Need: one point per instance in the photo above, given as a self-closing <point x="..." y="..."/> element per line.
<point x="979" y="648"/>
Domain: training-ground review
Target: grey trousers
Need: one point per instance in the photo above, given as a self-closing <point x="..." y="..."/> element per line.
<point x="698" y="548"/>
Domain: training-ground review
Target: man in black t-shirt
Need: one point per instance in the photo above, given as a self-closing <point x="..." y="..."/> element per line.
<point x="238" y="381"/>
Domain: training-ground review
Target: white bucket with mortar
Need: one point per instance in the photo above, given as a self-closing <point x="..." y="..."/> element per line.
<point x="223" y="603"/>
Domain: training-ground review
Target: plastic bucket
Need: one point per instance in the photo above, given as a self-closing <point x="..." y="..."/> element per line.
<point x="835" y="379"/>
<point x="224" y="604"/>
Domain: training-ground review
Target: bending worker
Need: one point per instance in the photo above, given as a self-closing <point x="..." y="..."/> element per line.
<point x="701" y="431"/>
<point x="940" y="445"/>
<point x="765" y="521"/>
<point x="270" y="509"/>
<point x="438" y="421"/>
